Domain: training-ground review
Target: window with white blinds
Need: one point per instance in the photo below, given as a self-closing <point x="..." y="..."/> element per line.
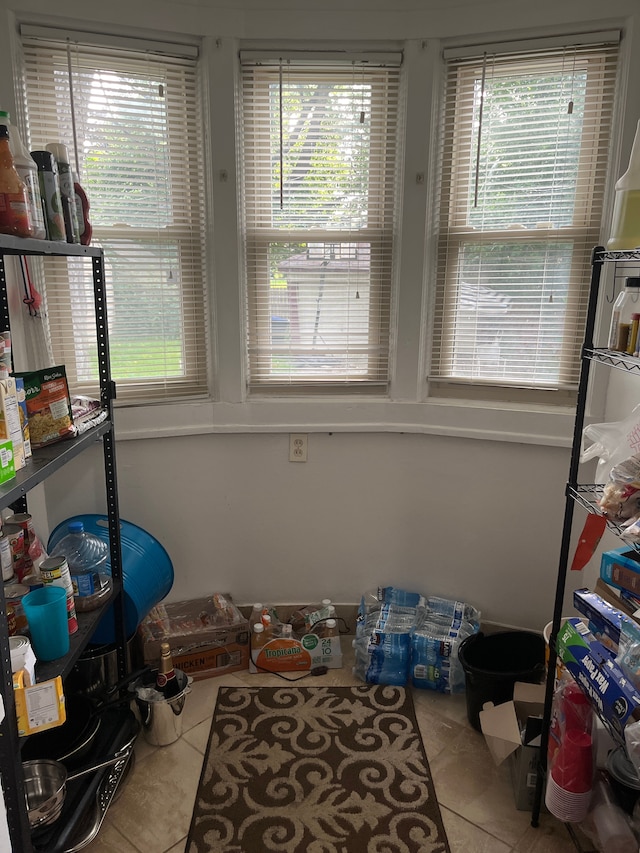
<point x="132" y="120"/>
<point x="524" y="154"/>
<point x="319" y="171"/>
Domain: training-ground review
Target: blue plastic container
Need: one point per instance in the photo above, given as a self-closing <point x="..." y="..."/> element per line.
<point x="147" y="571"/>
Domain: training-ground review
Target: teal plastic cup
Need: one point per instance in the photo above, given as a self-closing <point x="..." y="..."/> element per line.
<point x="46" y="612"/>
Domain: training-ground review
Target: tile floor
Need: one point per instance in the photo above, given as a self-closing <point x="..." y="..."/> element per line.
<point x="153" y="811"/>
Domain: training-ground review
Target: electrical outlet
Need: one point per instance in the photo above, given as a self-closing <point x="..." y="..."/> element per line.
<point x="298" y="447"/>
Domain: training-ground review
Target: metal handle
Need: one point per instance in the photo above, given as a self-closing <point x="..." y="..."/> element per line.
<point x="125" y="754"/>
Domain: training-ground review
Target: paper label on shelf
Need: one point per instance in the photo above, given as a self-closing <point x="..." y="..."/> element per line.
<point x="42" y="704"/>
<point x="39" y="706"/>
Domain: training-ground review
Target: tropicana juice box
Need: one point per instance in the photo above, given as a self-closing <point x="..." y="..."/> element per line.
<point x="286" y="654"/>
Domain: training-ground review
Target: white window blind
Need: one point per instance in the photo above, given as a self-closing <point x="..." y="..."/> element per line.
<point x="138" y="144"/>
<point x="319" y="158"/>
<point x="524" y="153"/>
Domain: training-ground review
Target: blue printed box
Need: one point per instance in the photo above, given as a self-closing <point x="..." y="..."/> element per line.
<point x="611" y="693"/>
<point x="605" y="621"/>
<point x="621" y="568"/>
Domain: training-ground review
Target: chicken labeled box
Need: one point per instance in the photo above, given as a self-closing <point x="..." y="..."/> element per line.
<point x="208" y="636"/>
<point x="512" y="733"/>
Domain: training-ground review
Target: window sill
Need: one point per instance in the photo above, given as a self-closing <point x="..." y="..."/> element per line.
<point x="461" y="419"/>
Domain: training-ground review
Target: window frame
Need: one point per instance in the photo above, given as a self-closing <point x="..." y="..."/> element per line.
<point x="259" y="233"/>
<point x="455" y="233"/>
<point x="182" y="235"/>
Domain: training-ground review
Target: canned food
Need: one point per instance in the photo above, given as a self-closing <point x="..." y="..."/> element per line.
<point x="55" y="570"/>
<point x="25" y="521"/>
<point x="6" y="558"/>
<point x="32" y="581"/>
<point x="15" y="535"/>
<point x="12" y="622"/>
<point x="13" y="595"/>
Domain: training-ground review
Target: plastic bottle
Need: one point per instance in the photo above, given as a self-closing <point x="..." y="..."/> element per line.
<point x="627" y="303"/>
<point x="258" y="639"/>
<point x="330" y="628"/>
<point x="83" y="550"/>
<point x="383" y="659"/>
<point x="256" y="615"/>
<point x="67" y="193"/>
<point x="15" y="217"/>
<point x="625" y="227"/>
<point x="82" y="212"/>
<point x="86" y="554"/>
<point x="28" y="171"/>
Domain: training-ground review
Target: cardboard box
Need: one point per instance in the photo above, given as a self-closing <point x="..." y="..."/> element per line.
<point x="40" y="706"/>
<point x="10" y="420"/>
<point x="283" y="654"/>
<point x="512" y="733"/>
<point x="7" y="465"/>
<point x="594" y="669"/>
<point x="621" y="568"/>
<point x="612" y="596"/>
<point x="605" y="621"/>
<point x="208" y="636"/>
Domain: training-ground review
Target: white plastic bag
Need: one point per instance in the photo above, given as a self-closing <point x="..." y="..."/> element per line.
<point x="612" y="443"/>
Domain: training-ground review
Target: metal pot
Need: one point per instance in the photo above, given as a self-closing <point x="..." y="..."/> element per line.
<point x="95" y="673"/>
<point x="45" y="784"/>
<point x="74" y="738"/>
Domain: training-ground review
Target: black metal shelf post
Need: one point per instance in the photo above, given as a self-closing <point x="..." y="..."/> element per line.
<point x="42" y="464"/>
<point x="586" y="496"/>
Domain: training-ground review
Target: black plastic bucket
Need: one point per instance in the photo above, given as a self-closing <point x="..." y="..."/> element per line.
<point x="493" y="663"/>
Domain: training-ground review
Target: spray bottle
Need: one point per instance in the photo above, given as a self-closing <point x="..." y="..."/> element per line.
<point x="625" y="228"/>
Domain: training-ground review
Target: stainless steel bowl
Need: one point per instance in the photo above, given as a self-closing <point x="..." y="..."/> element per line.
<point x="44" y="784"/>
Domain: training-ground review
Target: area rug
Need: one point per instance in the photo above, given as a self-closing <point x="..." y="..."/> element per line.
<point x="316" y="770"/>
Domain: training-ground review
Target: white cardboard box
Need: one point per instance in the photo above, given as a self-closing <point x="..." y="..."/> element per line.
<point x="502" y="726"/>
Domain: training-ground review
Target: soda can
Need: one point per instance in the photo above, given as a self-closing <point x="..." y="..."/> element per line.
<point x="55" y="570"/>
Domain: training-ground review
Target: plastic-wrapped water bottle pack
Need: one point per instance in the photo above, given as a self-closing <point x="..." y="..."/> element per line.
<point x="402" y="636"/>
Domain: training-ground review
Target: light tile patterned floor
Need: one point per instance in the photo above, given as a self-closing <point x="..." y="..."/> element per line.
<point x="153" y="812"/>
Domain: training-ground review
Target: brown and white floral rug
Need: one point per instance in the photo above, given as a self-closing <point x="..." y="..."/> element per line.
<point x="316" y="770"/>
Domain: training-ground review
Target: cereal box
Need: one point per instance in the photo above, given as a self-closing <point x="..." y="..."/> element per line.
<point x="24" y="416"/>
<point x="10" y="420"/>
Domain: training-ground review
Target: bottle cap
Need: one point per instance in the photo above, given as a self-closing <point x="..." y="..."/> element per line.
<point x="75" y="527"/>
<point x="257" y="606"/>
<point x="258" y="627"/>
<point x="330" y="623"/>
<point x="326" y="602"/>
<point x="59" y="151"/>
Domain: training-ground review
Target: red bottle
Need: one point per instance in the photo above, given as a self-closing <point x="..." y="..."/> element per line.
<point x="15" y="217"/>
<point x="82" y="211"/>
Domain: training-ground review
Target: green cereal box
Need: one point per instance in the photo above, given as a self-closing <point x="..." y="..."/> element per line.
<point x="7" y="466"/>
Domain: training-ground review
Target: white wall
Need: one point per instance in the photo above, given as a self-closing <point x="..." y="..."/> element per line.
<point x="477" y="519"/>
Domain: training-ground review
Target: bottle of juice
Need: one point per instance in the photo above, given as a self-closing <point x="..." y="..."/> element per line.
<point x="28" y="171"/>
<point x="15" y="217"/>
